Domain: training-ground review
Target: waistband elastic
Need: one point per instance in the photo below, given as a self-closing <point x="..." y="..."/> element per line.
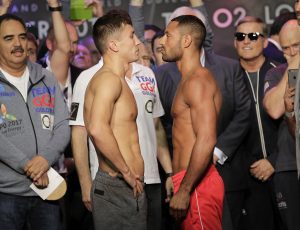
<point x="178" y="177"/>
<point x="118" y="180"/>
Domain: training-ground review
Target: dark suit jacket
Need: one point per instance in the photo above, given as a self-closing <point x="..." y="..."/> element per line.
<point x="233" y="121"/>
<point x="269" y="125"/>
<point x="272" y="52"/>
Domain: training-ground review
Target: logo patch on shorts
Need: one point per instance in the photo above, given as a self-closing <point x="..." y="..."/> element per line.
<point x="74" y="111"/>
<point x="99" y="192"/>
<point x="47" y="121"/>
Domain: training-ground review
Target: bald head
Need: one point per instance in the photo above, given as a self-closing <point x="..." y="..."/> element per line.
<point x="185" y="10"/>
<point x="289" y="37"/>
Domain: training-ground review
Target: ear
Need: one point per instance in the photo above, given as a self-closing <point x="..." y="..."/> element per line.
<point x="49" y="44"/>
<point x="234" y="43"/>
<point x="113" y="46"/>
<point x="187" y="40"/>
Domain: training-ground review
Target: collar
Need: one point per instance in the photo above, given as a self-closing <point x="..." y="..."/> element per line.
<point x="136" y="68"/>
<point x="47" y="60"/>
<point x="35" y="72"/>
<point x="275" y="43"/>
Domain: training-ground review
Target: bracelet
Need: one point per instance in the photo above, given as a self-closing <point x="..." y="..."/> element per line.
<point x="169" y="174"/>
<point x="289" y="114"/>
<point x="52" y="9"/>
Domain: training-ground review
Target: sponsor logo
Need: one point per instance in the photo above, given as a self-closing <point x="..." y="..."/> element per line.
<point x="5" y="115"/>
<point x="38" y="91"/>
<point x="149" y="106"/>
<point x="74" y="111"/>
<point x="44" y="110"/>
<point x="44" y="100"/>
<point x="145" y="79"/>
<point x="5" y="94"/>
<point x="47" y="121"/>
<point x="147" y="84"/>
<point x="9" y="124"/>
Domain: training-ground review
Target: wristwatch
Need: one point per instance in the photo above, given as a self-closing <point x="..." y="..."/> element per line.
<point x="289" y="114"/>
<point x="58" y="8"/>
<point x="169" y="174"/>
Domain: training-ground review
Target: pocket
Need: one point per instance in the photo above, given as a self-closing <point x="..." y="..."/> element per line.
<point x="103" y="196"/>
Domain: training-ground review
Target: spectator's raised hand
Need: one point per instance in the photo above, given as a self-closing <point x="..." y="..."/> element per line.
<point x="97" y="7"/>
<point x="5" y="6"/>
<point x="53" y="3"/>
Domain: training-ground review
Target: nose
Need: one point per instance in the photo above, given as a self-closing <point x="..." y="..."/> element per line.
<point x="137" y="40"/>
<point x="162" y="40"/>
<point x="17" y="41"/>
<point x="293" y="50"/>
<point x="246" y="40"/>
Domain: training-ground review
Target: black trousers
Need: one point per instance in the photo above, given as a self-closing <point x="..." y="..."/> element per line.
<point x="260" y="208"/>
<point x="154" y="212"/>
<point x="287" y="190"/>
<point x="236" y="202"/>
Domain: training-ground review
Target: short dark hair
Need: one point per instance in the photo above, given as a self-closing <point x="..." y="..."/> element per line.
<point x="107" y="25"/>
<point x="153" y="27"/>
<point x="280" y="20"/>
<point x="195" y="25"/>
<point x="32" y="38"/>
<point x="157" y="35"/>
<point x="247" y="19"/>
<point x="8" y="17"/>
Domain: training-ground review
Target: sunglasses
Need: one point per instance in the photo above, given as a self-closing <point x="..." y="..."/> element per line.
<point x="252" y="36"/>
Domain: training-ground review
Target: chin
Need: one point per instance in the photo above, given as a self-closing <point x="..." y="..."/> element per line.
<point x="135" y="59"/>
<point x="169" y="59"/>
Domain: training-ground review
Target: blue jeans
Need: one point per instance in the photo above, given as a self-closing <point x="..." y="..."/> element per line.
<point x="18" y="211"/>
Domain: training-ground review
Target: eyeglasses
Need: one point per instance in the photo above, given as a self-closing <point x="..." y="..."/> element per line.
<point x="252" y="36"/>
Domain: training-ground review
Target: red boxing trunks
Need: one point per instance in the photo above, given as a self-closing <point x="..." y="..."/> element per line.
<point x="206" y="201"/>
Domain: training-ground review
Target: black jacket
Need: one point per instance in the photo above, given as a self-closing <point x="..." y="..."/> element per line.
<point x="269" y="125"/>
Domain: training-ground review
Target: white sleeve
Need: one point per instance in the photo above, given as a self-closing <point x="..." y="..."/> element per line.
<point x="78" y="101"/>
<point x="79" y="92"/>
<point x="222" y="157"/>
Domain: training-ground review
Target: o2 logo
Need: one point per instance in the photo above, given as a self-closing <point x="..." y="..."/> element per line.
<point x="224" y="18"/>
